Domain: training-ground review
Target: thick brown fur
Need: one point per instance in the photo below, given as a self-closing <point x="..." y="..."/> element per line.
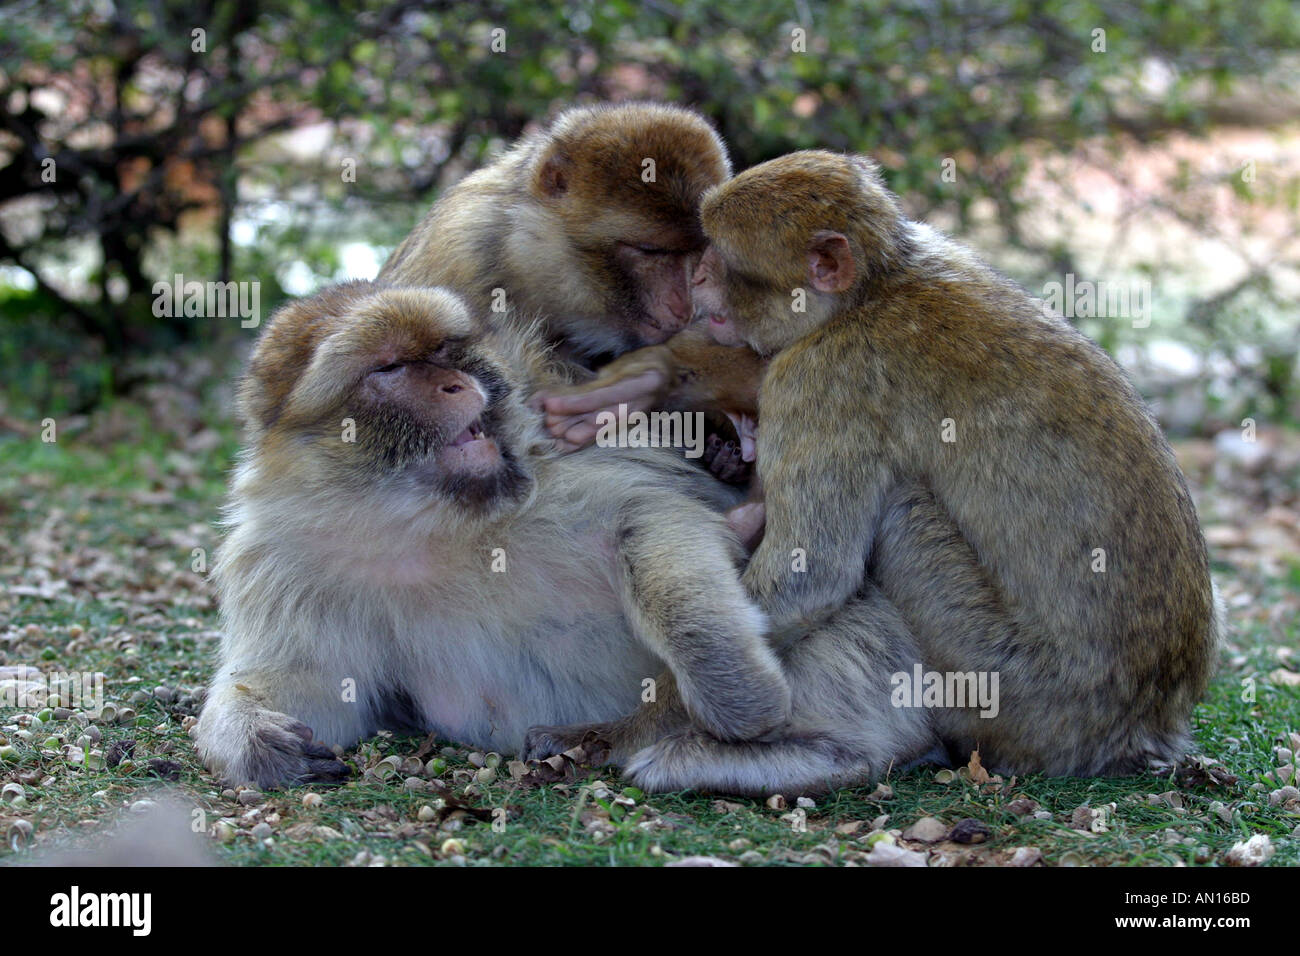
<point x="696" y="374"/>
<point x="406" y="550"/>
<point x="987" y="545"/>
<point x="576" y="231"/>
<point x="689" y="372"/>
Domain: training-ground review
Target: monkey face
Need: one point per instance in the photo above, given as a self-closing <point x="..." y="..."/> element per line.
<point x="793" y="242"/>
<point x="739" y="308"/>
<point x="431" y="411"/>
<point x="709" y="299"/>
<point x="396" y="388"/>
<point x="654" y="279"/>
<point x="624" y="185"/>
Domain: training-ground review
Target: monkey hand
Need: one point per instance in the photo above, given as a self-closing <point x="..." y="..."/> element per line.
<point x="748" y="521"/>
<point x="596" y="741"/>
<point x="243" y="744"/>
<point x="724" y="462"/>
<point x="637" y="380"/>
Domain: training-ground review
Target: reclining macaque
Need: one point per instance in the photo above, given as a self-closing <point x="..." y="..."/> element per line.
<point x="406" y="550"/>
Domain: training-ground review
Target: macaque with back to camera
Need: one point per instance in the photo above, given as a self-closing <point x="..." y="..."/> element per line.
<point x="406" y="550"/>
<point x="950" y="456"/>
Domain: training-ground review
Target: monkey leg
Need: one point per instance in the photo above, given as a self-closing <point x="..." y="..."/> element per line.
<point x="843" y="728"/>
<point x="246" y="732"/>
<point x="1045" y="710"/>
<point x="651" y="721"/>
<point x="928" y="570"/>
<point x="676" y="572"/>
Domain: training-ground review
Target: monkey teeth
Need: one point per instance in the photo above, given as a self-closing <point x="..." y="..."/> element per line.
<point x="474" y="432"/>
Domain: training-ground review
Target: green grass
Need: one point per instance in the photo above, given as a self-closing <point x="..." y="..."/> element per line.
<point x="117" y="520"/>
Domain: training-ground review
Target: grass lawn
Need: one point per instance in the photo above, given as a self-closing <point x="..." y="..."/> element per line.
<point x="97" y="562"/>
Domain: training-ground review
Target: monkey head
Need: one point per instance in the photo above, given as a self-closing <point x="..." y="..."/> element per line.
<point x="792" y="243"/>
<point x="621" y="185"/>
<point x="367" y="389"/>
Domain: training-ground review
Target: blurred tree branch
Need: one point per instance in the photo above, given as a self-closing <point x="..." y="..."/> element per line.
<point x="148" y="133"/>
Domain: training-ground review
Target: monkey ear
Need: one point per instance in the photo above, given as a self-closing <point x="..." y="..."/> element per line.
<point x="553" y="177"/>
<point x="830" y="262"/>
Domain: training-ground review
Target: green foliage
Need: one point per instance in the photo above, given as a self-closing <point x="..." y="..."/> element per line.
<point x="48" y="368"/>
<point x="149" y="131"/>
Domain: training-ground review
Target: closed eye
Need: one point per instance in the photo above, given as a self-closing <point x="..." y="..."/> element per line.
<point x="449" y="349"/>
<point x="649" y="250"/>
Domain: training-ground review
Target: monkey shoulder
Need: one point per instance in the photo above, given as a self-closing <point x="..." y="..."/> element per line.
<point x="460" y="239"/>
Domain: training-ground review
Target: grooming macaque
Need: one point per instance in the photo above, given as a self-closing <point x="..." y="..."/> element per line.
<point x="590" y="225"/>
<point x="991" y="468"/>
<point x="945" y="464"/>
<point x="407" y="551"/>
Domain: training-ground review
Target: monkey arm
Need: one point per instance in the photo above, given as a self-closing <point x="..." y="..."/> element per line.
<point x="712" y="377"/>
<point x="822" y="492"/>
<point x="675" y="570"/>
<point x="688" y="372"/>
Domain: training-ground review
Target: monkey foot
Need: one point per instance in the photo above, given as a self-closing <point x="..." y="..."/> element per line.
<point x="589" y="740"/>
<point x="283" y="753"/>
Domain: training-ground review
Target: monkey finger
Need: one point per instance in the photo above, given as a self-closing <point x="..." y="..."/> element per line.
<point x="557" y="425"/>
<point x="319" y="750"/>
<point x="574" y="434"/>
<point x="641" y="389"/>
<point x="582" y="434"/>
<point x="542" y="742"/>
<point x="748" y="522"/>
<point x="299" y="729"/>
<point x="721" y="458"/>
<point x="735" y="469"/>
<point x="562" y="423"/>
<point x="712" y="446"/>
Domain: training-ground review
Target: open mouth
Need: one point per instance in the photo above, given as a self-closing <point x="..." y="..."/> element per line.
<point x="472" y="433"/>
